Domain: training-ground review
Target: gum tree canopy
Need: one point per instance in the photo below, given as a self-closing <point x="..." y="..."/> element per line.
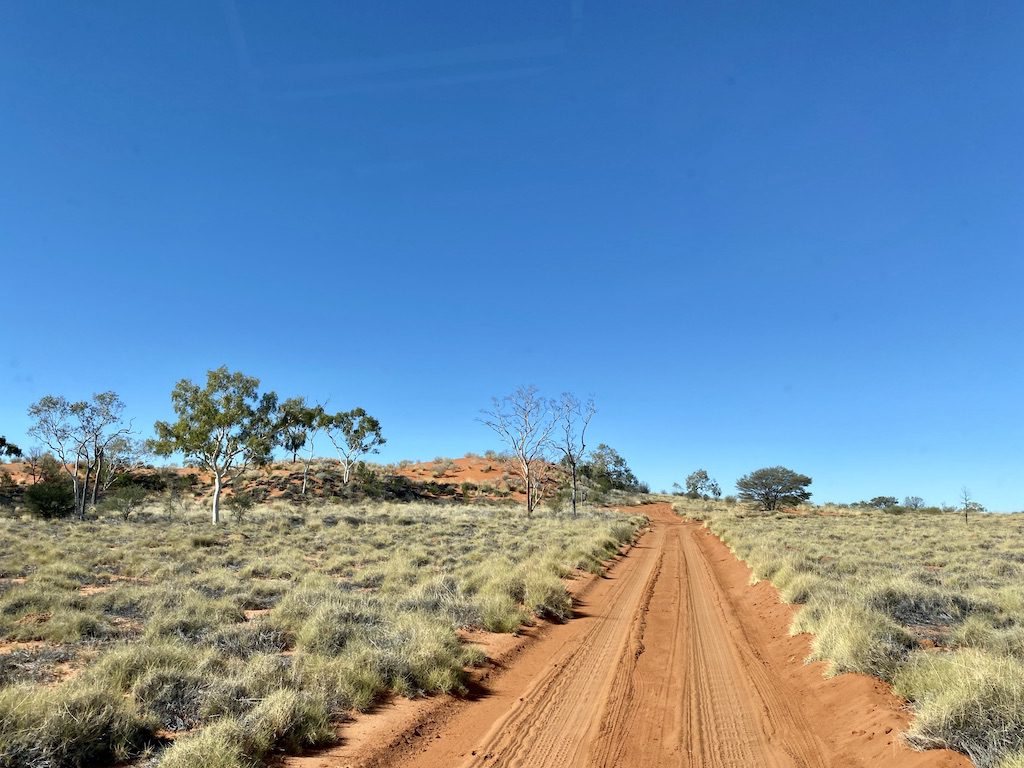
<point x="225" y="427"/>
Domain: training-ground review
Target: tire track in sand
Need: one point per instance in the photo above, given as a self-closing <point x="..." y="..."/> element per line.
<point x="660" y="668"/>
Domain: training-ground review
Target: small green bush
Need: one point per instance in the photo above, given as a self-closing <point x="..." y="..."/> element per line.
<point x="50" y="498"/>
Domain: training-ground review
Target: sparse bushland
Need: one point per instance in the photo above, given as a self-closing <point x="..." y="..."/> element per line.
<point x="920" y="599"/>
<point x="260" y="636"/>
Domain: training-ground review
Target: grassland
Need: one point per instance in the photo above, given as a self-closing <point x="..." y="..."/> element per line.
<point x="927" y="602"/>
<point x="169" y="642"/>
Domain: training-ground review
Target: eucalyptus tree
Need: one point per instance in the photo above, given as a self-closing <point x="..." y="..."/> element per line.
<point x="79" y="434"/>
<point x="573" y="420"/>
<point x="700" y="485"/>
<point x="300" y="423"/>
<point x="225" y="427"/>
<point x="524" y="421"/>
<point x="353" y="434"/>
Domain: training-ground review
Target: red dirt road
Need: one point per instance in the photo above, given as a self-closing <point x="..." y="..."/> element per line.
<point x="672" y="661"/>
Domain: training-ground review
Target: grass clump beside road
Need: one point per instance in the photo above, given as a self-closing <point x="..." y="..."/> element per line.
<point x="925" y="601"/>
<point x="258" y="637"/>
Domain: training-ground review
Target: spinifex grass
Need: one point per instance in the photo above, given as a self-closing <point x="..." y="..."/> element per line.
<point x="258" y="636"/>
<point x="931" y="603"/>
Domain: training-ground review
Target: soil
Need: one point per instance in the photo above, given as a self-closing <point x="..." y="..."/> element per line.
<point x="671" y="660"/>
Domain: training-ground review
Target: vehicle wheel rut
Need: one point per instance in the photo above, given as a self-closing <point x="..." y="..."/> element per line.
<point x="664" y="665"/>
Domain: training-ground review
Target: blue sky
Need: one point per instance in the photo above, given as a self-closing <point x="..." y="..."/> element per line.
<point x="758" y="233"/>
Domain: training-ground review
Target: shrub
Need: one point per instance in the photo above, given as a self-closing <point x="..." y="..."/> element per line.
<point x="50" y="498"/>
<point x="239" y="504"/>
<point x="125" y="500"/>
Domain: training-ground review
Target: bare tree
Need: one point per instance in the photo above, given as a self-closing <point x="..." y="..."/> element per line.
<point x="968" y="502"/>
<point x="117" y="458"/>
<point x="573" y="419"/>
<point x="524" y="421"/>
<point x="32" y="458"/>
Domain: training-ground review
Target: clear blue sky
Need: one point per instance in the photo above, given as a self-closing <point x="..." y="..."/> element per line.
<point x="758" y="233"/>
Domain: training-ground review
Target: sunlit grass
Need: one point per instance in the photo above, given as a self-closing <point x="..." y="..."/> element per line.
<point x="259" y="636"/>
<point x="924" y="600"/>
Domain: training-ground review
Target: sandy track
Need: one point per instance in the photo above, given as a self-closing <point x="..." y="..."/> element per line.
<point x="672" y="660"/>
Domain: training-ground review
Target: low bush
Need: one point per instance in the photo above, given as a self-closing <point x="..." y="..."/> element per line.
<point x="50" y="498"/>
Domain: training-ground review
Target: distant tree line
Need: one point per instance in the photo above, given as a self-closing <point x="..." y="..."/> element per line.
<point x="228" y="426"/>
<point x="225" y="426"/>
<point x="772" y="488"/>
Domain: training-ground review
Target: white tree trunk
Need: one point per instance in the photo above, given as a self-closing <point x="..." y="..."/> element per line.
<point x="216" y="498"/>
<point x="574" y="487"/>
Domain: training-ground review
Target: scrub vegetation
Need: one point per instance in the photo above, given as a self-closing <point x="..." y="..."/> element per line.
<point x="192" y="646"/>
<point x="921" y="599"/>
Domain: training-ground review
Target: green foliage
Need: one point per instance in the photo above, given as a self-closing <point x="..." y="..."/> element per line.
<point x="353" y="434"/>
<point x="699" y="485"/>
<point x="50" y="498"/>
<point x="607" y="470"/>
<point x="298" y="424"/>
<point x="225" y="426"/>
<point x="8" y="449"/>
<point x="125" y="499"/>
<point x="882" y="502"/>
<point x="226" y="420"/>
<point x="49" y="469"/>
<point x="774" y="487"/>
<point x="239" y="504"/>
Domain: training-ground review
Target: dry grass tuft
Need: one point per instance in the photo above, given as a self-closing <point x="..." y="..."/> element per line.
<point x="876" y="588"/>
